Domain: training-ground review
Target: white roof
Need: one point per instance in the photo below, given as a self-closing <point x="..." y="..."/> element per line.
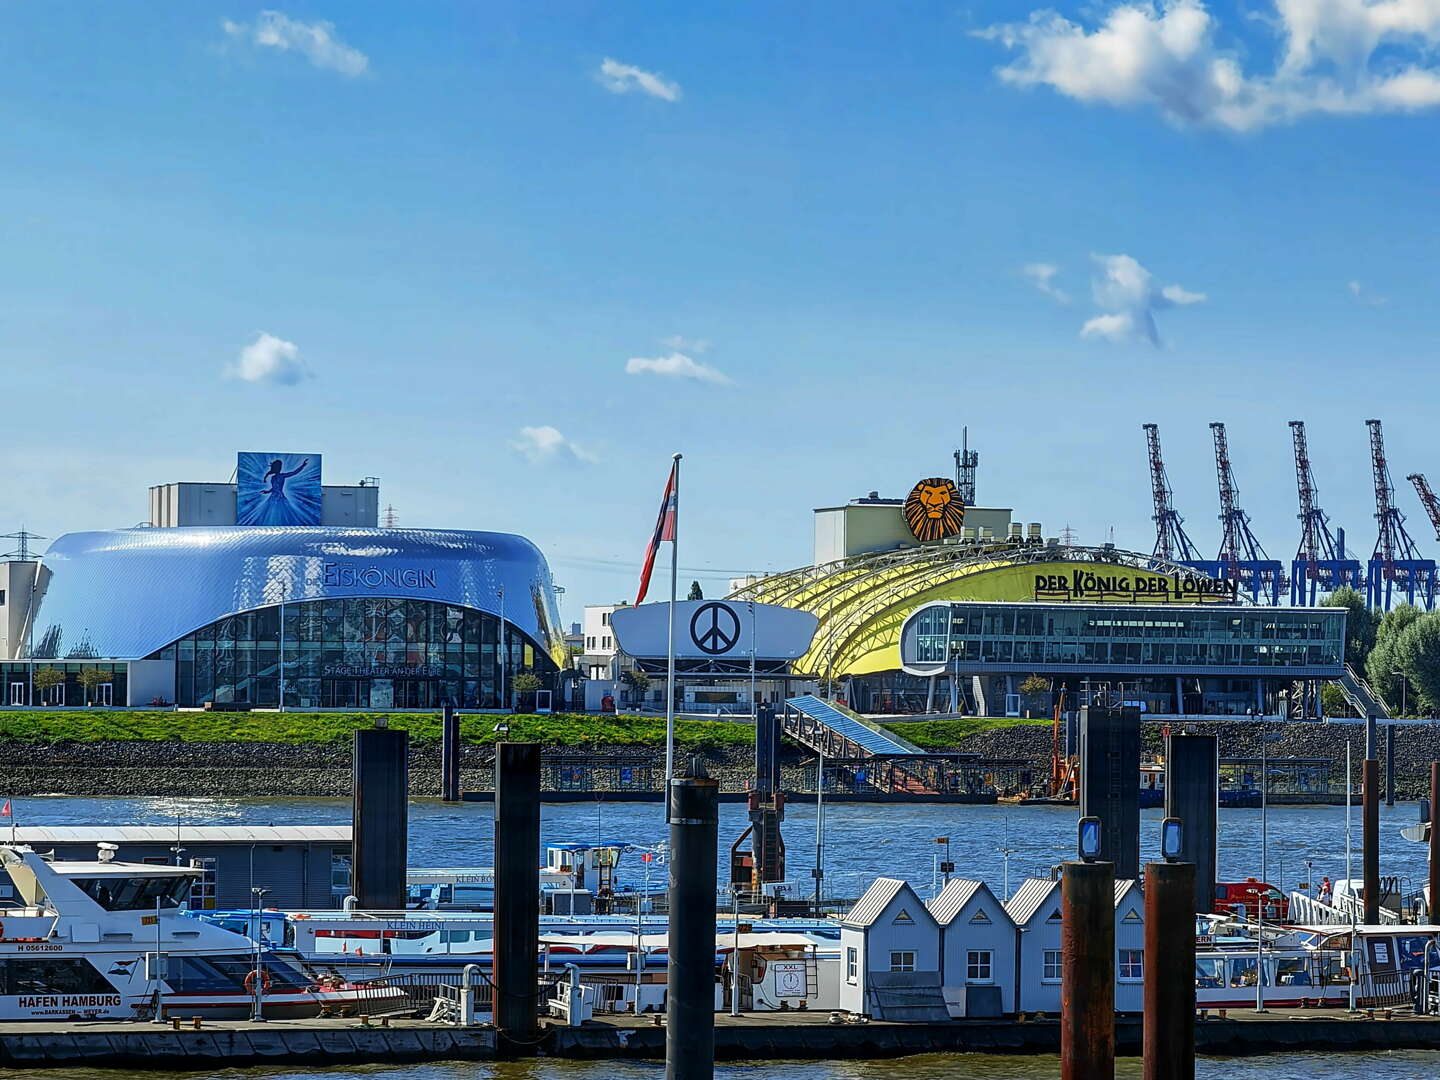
<point x="876" y="899"/>
<point x="659" y="942"/>
<point x="120" y="869"/>
<point x="195" y="834"/>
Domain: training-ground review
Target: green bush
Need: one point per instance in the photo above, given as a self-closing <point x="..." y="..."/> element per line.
<point x="943" y="734"/>
<point x="562" y="729"/>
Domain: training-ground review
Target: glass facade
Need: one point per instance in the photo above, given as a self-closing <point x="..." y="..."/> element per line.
<point x="1060" y="636"/>
<point x="19" y="690"/>
<point x="354" y="653"/>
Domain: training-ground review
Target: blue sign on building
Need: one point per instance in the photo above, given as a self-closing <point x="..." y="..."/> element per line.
<point x="277" y="489"/>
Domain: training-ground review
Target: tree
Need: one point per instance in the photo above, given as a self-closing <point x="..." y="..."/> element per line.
<point x="1418" y="651"/>
<point x="1333" y="701"/>
<point x="635" y="680"/>
<point x="1360" y="625"/>
<point x="1035" y="685"/>
<point x="92" y="679"/>
<point x="1384" y="659"/>
<point x="46" y="679"/>
<point x="696" y="593"/>
<point x="525" y="684"/>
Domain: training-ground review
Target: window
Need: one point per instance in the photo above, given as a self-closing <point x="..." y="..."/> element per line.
<point x="339" y="875"/>
<point x="852" y="965"/>
<point x="1052" y="966"/>
<point x="1132" y="963"/>
<point x="226" y="973"/>
<point x="134" y="893"/>
<point x="902" y="961"/>
<point x="977" y="966"/>
<point x="202" y="891"/>
<point x="51" y="977"/>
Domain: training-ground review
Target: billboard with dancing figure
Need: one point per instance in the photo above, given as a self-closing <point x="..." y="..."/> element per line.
<point x="277" y="489"/>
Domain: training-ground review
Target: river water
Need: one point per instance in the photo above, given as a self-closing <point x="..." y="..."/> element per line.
<point x="861" y="842"/>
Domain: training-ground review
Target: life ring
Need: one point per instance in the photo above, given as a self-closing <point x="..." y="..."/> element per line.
<point x="264" y="982"/>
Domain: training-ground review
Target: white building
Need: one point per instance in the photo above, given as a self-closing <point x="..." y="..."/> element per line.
<point x="977" y="950"/>
<point x="890" y="955"/>
<point x="598" y="642"/>
<point x="1035" y="910"/>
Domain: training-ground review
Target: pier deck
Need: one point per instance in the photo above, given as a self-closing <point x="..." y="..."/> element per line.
<point x="777" y="1036"/>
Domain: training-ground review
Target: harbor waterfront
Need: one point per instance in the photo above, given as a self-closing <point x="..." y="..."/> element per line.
<point x="861" y="840"/>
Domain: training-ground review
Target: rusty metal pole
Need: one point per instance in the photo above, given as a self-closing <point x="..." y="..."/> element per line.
<point x="1370" y="839"/>
<point x="1434" y="838"/>
<point x="1169" y="971"/>
<point x="1087" y="971"/>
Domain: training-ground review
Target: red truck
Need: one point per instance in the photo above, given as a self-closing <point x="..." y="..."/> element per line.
<point x="1250" y="894"/>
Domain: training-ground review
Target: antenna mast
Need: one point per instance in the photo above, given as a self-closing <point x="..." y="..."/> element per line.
<point x="966" y="461"/>
<point x="1171" y="543"/>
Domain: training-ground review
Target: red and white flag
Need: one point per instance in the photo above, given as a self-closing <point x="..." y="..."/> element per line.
<point x="5" y="810"/>
<point x="664" y="530"/>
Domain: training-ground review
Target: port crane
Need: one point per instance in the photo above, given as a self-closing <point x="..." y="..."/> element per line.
<point x="1321" y="562"/>
<point x="1396" y="564"/>
<point x="1171" y="542"/>
<point x="1241" y="557"/>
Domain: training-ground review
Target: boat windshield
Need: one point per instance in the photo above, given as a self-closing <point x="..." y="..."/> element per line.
<point x="135" y="893"/>
<point x="225" y="973"/>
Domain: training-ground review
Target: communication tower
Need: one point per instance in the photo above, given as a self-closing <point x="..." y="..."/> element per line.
<point x="1171" y="542"/>
<point x="1321" y="563"/>
<point x="1241" y="558"/>
<point x="1396" y="564"/>
<point x="390" y="518"/>
<point x="966" y="462"/>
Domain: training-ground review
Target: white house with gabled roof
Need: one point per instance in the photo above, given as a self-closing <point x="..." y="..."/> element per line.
<point x="1035" y="910"/>
<point x="977" y="949"/>
<point x="889" y="932"/>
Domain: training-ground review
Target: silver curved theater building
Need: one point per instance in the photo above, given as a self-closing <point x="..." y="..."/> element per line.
<point x="309" y="616"/>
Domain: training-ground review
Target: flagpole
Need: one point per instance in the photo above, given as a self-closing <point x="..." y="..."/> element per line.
<point x="670" y="643"/>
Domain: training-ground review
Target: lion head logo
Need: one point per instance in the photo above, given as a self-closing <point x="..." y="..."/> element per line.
<point x="933" y="509"/>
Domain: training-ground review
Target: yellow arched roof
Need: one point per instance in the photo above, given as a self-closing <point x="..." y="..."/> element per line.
<point x="862" y="602"/>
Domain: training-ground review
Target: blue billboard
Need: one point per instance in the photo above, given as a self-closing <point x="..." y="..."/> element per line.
<point x="277" y="489"/>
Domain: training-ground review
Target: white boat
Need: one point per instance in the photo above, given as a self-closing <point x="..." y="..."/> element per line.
<point x="108" y="940"/>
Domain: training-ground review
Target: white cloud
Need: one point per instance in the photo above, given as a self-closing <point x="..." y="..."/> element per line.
<point x="269" y="359"/>
<point x="621" y="78"/>
<point x="684" y="344"/>
<point x="544" y="444"/>
<point x="1364" y="296"/>
<point x="1336" y="57"/>
<point x="1042" y="276"/>
<point x="316" y="41"/>
<point x="676" y="365"/>
<point x="1128" y="298"/>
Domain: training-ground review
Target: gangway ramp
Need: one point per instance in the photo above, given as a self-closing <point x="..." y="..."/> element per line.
<point x="821" y="726"/>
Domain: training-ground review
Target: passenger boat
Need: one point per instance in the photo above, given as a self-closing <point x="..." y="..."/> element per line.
<point x="107" y="940"/>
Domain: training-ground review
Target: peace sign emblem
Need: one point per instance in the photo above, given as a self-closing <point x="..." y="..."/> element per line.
<point x="714" y="628"/>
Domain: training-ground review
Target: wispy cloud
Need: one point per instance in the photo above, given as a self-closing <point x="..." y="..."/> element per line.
<point x="544" y="444"/>
<point x="1363" y="295"/>
<point x="1128" y="298"/>
<point x="684" y="344"/>
<point x="1042" y="276"/>
<point x="1335" y="57"/>
<point x="316" y="41"/>
<point x="269" y="359"/>
<point x="675" y="365"/>
<point x="621" y="78"/>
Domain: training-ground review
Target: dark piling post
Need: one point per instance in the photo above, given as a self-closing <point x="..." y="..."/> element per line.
<point x="517" y="893"/>
<point x="1087" y="972"/>
<point x="380" y="817"/>
<point x="1370" y="839"/>
<point x="1192" y="778"/>
<point x="449" y="754"/>
<point x="1169" y="971"/>
<point x="694" y="813"/>
<point x="1372" y="741"/>
<point x="1434" y="839"/>
<point x="1389" y="764"/>
<point x="1110" y="782"/>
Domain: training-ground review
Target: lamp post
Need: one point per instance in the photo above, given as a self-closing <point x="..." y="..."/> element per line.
<point x="1403" y="684"/>
<point x="257" y="1005"/>
<point x="500" y="650"/>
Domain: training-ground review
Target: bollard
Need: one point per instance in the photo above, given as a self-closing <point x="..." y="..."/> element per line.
<point x="1389" y="764"/>
<point x="517" y="894"/>
<point x="1169" y="971"/>
<point x="449" y="754"/>
<point x="694" y="815"/>
<point x="1370" y="839"/>
<point x="1087" y="983"/>
<point x="380" y="820"/>
<point x="1434" y="839"/>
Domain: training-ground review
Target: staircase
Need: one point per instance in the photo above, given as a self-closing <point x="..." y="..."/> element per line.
<point x="1361" y="695"/>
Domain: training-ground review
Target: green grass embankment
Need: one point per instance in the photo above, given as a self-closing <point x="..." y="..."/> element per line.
<point x="564" y="729"/>
<point x="943" y="734"/>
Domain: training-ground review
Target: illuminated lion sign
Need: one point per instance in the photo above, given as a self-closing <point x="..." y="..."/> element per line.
<point x="933" y="509"/>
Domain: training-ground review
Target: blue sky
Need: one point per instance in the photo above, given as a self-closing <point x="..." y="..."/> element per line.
<point x="829" y="237"/>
